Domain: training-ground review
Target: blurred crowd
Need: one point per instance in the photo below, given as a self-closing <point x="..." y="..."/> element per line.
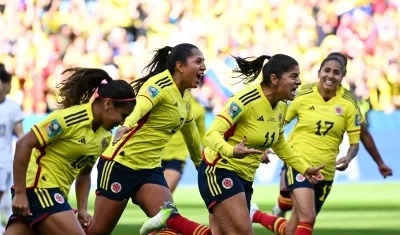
<point x="41" y="38"/>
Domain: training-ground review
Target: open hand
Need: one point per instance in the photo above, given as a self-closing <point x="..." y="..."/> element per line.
<point x="20" y="205"/>
<point x="121" y="131"/>
<point x="241" y="151"/>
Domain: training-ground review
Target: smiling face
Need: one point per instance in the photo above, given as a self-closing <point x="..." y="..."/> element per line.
<point x="289" y="83"/>
<point x="330" y="75"/>
<point x="193" y="69"/>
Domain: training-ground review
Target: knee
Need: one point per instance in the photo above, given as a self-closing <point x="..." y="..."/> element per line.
<point x="309" y="217"/>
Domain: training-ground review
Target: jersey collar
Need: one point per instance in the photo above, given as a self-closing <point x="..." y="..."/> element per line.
<point x="90" y="110"/>
<point x="339" y="92"/>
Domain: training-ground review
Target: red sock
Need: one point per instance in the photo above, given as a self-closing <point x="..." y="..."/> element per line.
<point x="273" y="223"/>
<point x="187" y="227"/>
<point x="167" y="232"/>
<point x="304" y="228"/>
<point x="285" y="203"/>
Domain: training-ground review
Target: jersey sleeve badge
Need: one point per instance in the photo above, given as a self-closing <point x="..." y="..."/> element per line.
<point x="234" y="110"/>
<point x="357" y="120"/>
<point x="54" y="128"/>
<point x="152" y="91"/>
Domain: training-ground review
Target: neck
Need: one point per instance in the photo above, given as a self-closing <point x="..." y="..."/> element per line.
<point x="178" y="82"/>
<point x="271" y="95"/>
<point x="96" y="110"/>
<point x="326" y="94"/>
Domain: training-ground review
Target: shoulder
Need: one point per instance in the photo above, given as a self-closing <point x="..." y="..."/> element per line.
<point x="156" y="84"/>
<point x="78" y="114"/>
<point x="305" y="89"/>
<point x="11" y="105"/>
<point x="247" y="96"/>
<point x="349" y="97"/>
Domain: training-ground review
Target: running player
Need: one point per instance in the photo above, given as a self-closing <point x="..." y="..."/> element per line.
<point x="62" y="148"/>
<point x="250" y="123"/>
<point x="284" y="204"/>
<point x="176" y="152"/>
<point x="131" y="167"/>
<point x="325" y="111"/>
<point x="10" y="124"/>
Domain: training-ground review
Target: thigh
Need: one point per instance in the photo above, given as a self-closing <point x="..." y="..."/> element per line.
<point x="151" y="197"/>
<point x="215" y="226"/>
<point x="19" y="228"/>
<point x="61" y="223"/>
<point x="322" y="191"/>
<point x="104" y="223"/>
<point x="304" y="201"/>
<point x="233" y="219"/>
<point x="172" y="177"/>
<point x="282" y="183"/>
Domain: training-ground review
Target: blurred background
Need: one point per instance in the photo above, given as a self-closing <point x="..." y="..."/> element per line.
<point x="41" y="38"/>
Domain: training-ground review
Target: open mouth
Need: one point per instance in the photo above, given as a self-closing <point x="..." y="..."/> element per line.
<point x="329" y="83"/>
<point x="200" y="76"/>
<point x="293" y="91"/>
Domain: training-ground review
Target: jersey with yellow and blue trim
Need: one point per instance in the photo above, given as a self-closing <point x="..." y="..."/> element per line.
<point x="248" y="113"/>
<point x="68" y="144"/>
<point x="321" y="125"/>
<point x="176" y="148"/>
<point x="160" y="111"/>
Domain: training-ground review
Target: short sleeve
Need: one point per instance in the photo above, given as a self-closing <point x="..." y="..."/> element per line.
<point x="50" y="129"/>
<point x="353" y="123"/>
<point x="18" y="115"/>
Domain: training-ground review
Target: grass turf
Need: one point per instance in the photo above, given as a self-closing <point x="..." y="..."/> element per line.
<point x="351" y="209"/>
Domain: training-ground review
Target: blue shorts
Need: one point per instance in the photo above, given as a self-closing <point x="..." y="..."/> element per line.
<point x="42" y="203"/>
<point x="218" y="184"/>
<point x="173" y="164"/>
<point x="118" y="182"/>
<point x="294" y="179"/>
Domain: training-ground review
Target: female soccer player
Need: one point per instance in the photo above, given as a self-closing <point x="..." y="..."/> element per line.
<point x="284" y="204"/>
<point x="62" y="148"/>
<point x="131" y="167"/>
<point x="176" y="152"/>
<point x="250" y="123"/>
<point x="325" y="111"/>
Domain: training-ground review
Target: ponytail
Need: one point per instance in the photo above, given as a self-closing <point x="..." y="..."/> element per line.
<point x="248" y="71"/>
<point x="158" y="64"/>
<point x="80" y="85"/>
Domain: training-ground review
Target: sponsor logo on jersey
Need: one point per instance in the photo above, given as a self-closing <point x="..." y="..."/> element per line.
<point x="300" y="178"/>
<point x="53" y="128"/>
<point x="339" y="110"/>
<point x="59" y="198"/>
<point x="116" y="187"/>
<point x="153" y="92"/>
<point x="234" y="110"/>
<point x="227" y="183"/>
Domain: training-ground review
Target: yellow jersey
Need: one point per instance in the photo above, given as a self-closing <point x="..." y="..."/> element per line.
<point x="67" y="145"/>
<point x="176" y="148"/>
<point x="160" y="111"/>
<point x="321" y="125"/>
<point x="248" y="113"/>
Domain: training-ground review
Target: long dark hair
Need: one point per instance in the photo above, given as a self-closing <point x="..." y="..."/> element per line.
<point x="164" y="58"/>
<point x="248" y="70"/>
<point x="82" y="83"/>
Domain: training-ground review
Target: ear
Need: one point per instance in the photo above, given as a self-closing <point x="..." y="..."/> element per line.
<point x="274" y="79"/>
<point x="179" y="66"/>
<point x="108" y="104"/>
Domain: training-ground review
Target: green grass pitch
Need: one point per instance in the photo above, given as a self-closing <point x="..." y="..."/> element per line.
<point x="351" y="209"/>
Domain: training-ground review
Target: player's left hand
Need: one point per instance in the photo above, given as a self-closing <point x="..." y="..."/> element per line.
<point x="385" y="170"/>
<point x="342" y="163"/>
<point x="85" y="219"/>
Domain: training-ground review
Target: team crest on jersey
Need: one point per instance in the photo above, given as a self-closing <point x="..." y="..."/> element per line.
<point x="116" y="187"/>
<point x="300" y="178"/>
<point x="227" y="183"/>
<point x="339" y="110"/>
<point x="53" y="128"/>
<point x="234" y="110"/>
<point x="153" y="92"/>
<point x="280" y="116"/>
<point x="104" y="144"/>
<point x="358" y="120"/>
<point x="59" y="198"/>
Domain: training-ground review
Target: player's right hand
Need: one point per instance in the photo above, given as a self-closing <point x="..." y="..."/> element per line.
<point x="313" y="174"/>
<point x="121" y="131"/>
<point x="241" y="151"/>
<point x="385" y="170"/>
<point x="20" y="205"/>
